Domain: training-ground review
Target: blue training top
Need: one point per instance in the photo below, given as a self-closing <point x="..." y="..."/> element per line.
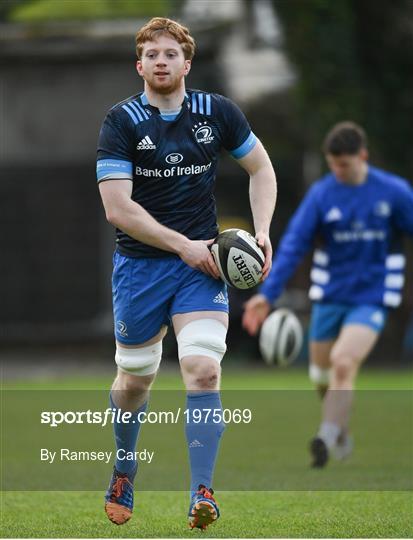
<point x="359" y="228"/>
<point x="172" y="160"/>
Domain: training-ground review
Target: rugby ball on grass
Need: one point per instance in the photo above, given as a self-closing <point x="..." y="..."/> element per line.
<point x="281" y="337"/>
<point x="239" y="258"/>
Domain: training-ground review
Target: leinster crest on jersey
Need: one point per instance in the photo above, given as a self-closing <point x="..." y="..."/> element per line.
<point x="203" y="133"/>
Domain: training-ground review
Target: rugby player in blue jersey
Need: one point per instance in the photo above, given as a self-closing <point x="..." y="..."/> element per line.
<point x="357" y="214"/>
<point x="156" y="166"/>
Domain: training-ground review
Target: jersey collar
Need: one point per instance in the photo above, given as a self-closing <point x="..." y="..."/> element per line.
<point x="145" y="102"/>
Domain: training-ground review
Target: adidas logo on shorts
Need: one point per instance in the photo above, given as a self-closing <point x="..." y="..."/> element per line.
<point x="377" y="317"/>
<point x="195" y="444"/>
<point x="220" y="299"/>
<point x="146" y="144"/>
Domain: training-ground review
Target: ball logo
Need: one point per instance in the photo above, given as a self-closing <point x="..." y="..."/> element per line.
<point x="244" y="271"/>
<point x="239" y="258"/>
<point x="203" y="133"/>
<point x="174" y="158"/>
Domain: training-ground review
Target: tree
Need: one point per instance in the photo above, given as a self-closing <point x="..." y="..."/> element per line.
<point x="355" y="61"/>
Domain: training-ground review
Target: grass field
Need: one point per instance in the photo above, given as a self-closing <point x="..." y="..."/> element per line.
<point x="312" y="512"/>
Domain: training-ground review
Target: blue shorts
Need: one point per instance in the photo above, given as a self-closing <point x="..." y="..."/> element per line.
<point x="147" y="292"/>
<point x="327" y="319"/>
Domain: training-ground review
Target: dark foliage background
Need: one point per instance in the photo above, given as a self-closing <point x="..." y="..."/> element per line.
<point x="355" y="61"/>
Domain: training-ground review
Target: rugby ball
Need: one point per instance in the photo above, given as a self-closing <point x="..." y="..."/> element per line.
<point x="281" y="337"/>
<point x="239" y="258"/>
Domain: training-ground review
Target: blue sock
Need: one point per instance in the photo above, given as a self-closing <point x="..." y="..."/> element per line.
<point x="203" y="437"/>
<point x="126" y="436"/>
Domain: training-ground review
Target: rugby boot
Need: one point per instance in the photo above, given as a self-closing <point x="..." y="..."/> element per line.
<point x="319" y="452"/>
<point x="119" y="497"/>
<point x="203" y="509"/>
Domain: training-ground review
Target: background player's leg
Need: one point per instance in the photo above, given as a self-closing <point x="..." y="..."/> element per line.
<point x="202" y="335"/>
<point x="352" y="347"/>
<point x="320" y="365"/>
<point x="325" y="324"/>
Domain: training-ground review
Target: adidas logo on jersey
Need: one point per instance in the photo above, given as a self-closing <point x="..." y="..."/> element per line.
<point x="220" y="299"/>
<point x="195" y="444"/>
<point x="146" y="144"/>
<point x="333" y="214"/>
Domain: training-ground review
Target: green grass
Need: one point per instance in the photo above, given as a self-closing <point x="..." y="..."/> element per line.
<point x="293" y="512"/>
<point x="247" y="514"/>
<point x="61" y="10"/>
<point x="270" y="378"/>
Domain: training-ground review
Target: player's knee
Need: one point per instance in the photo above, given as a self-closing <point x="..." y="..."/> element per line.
<point x="342" y="372"/>
<point x="318" y="375"/>
<point x="140" y="361"/>
<point x="207" y="377"/>
<point x="203" y="337"/>
<point x="343" y="367"/>
<point x="200" y="373"/>
<point x="132" y="384"/>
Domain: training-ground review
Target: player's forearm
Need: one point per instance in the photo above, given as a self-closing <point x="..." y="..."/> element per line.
<point x="263" y="196"/>
<point x="137" y="223"/>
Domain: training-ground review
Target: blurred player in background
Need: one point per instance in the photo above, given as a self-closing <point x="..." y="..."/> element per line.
<point x="157" y="159"/>
<point x="358" y="214"/>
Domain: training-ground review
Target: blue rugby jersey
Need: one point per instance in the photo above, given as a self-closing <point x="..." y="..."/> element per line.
<point x="172" y="161"/>
<point x="359" y="229"/>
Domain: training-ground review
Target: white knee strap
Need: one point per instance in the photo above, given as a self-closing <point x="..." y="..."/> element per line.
<point x="203" y="337"/>
<point x="139" y="361"/>
<point x="319" y="375"/>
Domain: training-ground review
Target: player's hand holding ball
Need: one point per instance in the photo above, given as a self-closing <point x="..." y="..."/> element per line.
<point x="264" y="242"/>
<point x="196" y="254"/>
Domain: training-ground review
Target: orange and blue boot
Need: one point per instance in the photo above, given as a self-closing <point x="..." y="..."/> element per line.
<point x="119" y="497"/>
<point x="203" y="509"/>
